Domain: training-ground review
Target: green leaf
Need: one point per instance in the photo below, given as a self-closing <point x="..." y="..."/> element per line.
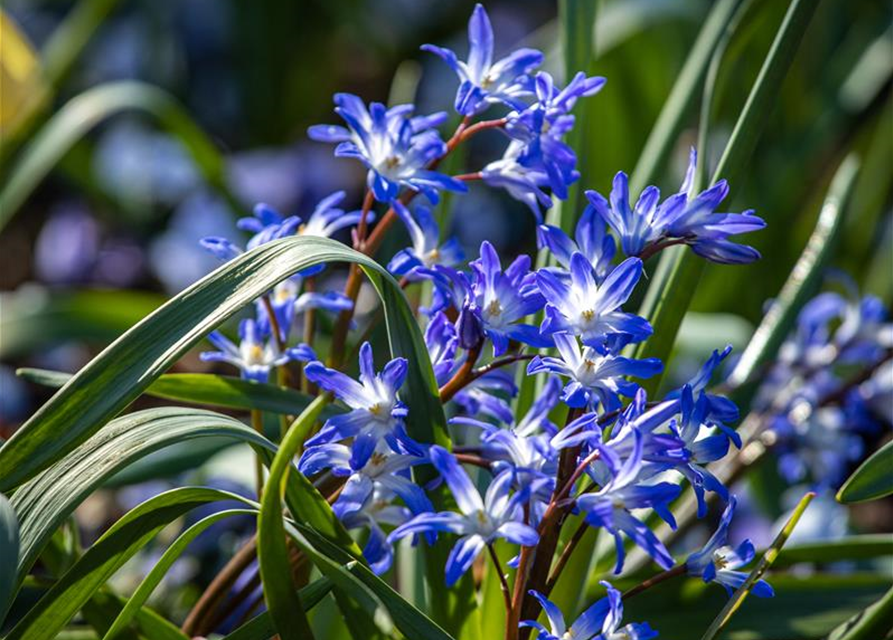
<point x="874" y="622"/>
<point x="45" y="502"/>
<point x="83" y="112"/>
<point x="864" y="547"/>
<point x="202" y="388"/>
<point x="126" y="368"/>
<point x="261" y="627"/>
<point x="272" y="551"/>
<point x="804" y="607"/>
<point x="872" y="480"/>
<point x="156" y="575"/>
<point x="803" y="280"/>
<point x="763" y="565"/>
<point x="341" y="568"/>
<point x="127" y="536"/>
<point x="679" y="270"/>
<point x="672" y="117"/>
<point x="9" y="550"/>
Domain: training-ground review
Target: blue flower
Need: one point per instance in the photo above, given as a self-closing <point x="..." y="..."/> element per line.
<point x="525" y="181"/>
<point x="376" y="414"/>
<point x="442" y="342"/>
<point x="717" y="562"/>
<point x="288" y="304"/>
<point x="256" y="353"/>
<point x="590" y="239"/>
<point x="396" y="148"/>
<point x="498" y="300"/>
<point x="481" y="521"/>
<point x="426" y="250"/>
<point x="596" y="375"/>
<point x="610" y="506"/>
<point x="701" y="450"/>
<point x="679" y="219"/>
<point x="483" y="82"/>
<point x="538" y="158"/>
<point x="384" y="469"/>
<point x="584" y="308"/>
<point x="601" y="621"/>
<point x="376" y="510"/>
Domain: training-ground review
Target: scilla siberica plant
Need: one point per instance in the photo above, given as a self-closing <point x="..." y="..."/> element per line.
<point x="509" y="422"/>
<point x="583" y="452"/>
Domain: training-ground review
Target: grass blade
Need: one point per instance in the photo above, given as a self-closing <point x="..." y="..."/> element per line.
<point x="272" y="551"/>
<point x="874" y="622"/>
<point x="82" y="113"/>
<point x="9" y="549"/>
<point x="261" y="626"/>
<point x="126" y="368"/>
<point x="763" y="565"/>
<point x="337" y="565"/>
<point x="803" y="280"/>
<point x="127" y="536"/>
<point x="202" y="388"/>
<point x="872" y="480"/>
<point x="672" y="116"/>
<point x="44" y="503"/>
<point x="679" y="271"/>
<point x="156" y="575"/>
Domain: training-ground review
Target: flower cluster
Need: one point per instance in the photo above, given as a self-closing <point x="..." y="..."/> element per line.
<point x="590" y="443"/>
<point x="831" y="387"/>
<point x="263" y="340"/>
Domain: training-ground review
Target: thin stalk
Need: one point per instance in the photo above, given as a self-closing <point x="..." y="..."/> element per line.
<point x="676" y="571"/>
<point x="257" y="423"/>
<point x="504" y="585"/>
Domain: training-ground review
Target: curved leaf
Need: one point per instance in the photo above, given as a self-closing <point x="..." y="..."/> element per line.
<point x="83" y="112"/>
<point x="679" y="270"/>
<point x="202" y="388"/>
<point x="737" y="599"/>
<point x="872" y="480"/>
<point x="802" y="281"/>
<point x="9" y="549"/>
<point x="127" y="536"/>
<point x="272" y="551"/>
<point x="128" y="366"/>
<point x="261" y="627"/>
<point x="874" y="622"/>
<point x="44" y="503"/>
<point x="156" y="575"/>
<point x="355" y="578"/>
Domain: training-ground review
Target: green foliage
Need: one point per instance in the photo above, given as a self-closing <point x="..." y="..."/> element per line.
<point x="872" y="480"/>
<point x="111" y="551"/>
<point x="126" y="368"/>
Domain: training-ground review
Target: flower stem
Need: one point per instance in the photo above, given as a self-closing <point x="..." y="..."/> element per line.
<point x="257" y="423"/>
<point x="678" y="570"/>
<point x="503" y="583"/>
<point x="462" y="377"/>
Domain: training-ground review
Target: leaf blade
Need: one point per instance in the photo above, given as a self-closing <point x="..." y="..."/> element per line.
<point x="872" y="480"/>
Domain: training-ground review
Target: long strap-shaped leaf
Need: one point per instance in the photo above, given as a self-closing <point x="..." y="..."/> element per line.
<point x="85" y="111"/>
<point x="356" y="578"/>
<point x="9" y="549"/>
<point x="261" y="627"/>
<point x="156" y="575"/>
<point x="763" y="565"/>
<point x="803" y="279"/>
<point x="127" y="536"/>
<point x="679" y="271"/>
<point x="45" y="502"/>
<point x="872" y="480"/>
<point x="272" y="552"/>
<point x="201" y="388"/>
<point x="129" y="365"/>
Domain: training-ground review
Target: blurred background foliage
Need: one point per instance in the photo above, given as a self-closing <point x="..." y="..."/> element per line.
<point x="218" y="97"/>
